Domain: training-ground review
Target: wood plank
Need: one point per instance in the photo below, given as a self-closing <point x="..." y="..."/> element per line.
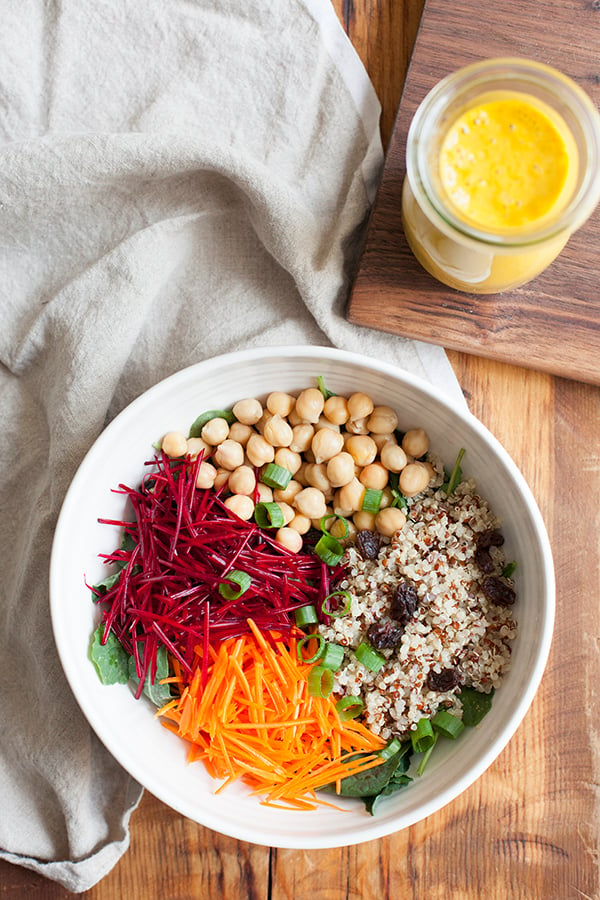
<point x="528" y="326"/>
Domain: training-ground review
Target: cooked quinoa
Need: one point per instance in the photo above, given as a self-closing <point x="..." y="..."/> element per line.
<point x="455" y="626"/>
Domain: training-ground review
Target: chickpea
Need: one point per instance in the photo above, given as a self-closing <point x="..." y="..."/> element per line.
<point x="310" y="502"/>
<point x="300" y="475"/>
<point x="287" y="459"/>
<point x="374" y="476"/>
<point x="289" y="538"/>
<point x="206" y="475"/>
<point x="240" y="432"/>
<point x="324" y="521"/>
<point x="389" y="521"/>
<point x="302" y="436"/>
<point x="294" y="419"/>
<point x="215" y="431"/>
<point x="286" y="495"/>
<point x="242" y="480"/>
<point x="358" y="426"/>
<point x="382" y="439"/>
<point x="414" y="478"/>
<point x="277" y="432"/>
<point x="362" y="448"/>
<point x="196" y="446"/>
<point x="264" y="493"/>
<point x="309" y="404"/>
<point x="248" y="411"/>
<point x="415" y="442"/>
<point x="383" y="420"/>
<point x="259" y="451"/>
<point x="393" y="457"/>
<point x="300" y="523"/>
<point x="174" y="444"/>
<point x="280" y="403"/>
<point x="340" y="469"/>
<point x="350" y="496"/>
<point x="222" y="478"/>
<point x="316" y="476"/>
<point x="326" y="443"/>
<point x="387" y="498"/>
<point x="325" y="423"/>
<point x="241" y="505"/>
<point x="262" y="422"/>
<point x="288" y="512"/>
<point x="364" y="520"/>
<point x="229" y="455"/>
<point x="360" y="406"/>
<point x="336" y="410"/>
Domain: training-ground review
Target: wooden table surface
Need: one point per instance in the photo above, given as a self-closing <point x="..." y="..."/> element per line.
<point x="529" y="827"/>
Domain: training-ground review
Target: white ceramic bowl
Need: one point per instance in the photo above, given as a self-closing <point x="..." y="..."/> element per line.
<point x="155" y="757"/>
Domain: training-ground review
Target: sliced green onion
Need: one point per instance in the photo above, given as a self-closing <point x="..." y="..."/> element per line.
<point x="372" y="500"/>
<point x="509" y="570"/>
<point x="306" y="615"/>
<point x="371" y="659"/>
<point x="456" y="477"/>
<point x="327" y="610"/>
<point x="242" y="581"/>
<point x="268" y="515"/>
<point x="422" y="737"/>
<point x="324" y="390"/>
<point x="333" y="656"/>
<point x="305" y="641"/>
<point x="199" y="423"/>
<point x="349" y="708"/>
<point x="426" y="756"/>
<point x="391" y="749"/>
<point x="329" y="550"/>
<point x="320" y="682"/>
<point x="448" y="725"/>
<point x="276" y="476"/>
<point x="325" y="519"/>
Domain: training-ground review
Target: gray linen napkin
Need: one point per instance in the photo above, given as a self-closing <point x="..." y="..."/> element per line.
<point x="177" y="179"/>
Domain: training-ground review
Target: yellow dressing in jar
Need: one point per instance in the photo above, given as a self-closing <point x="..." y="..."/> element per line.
<point x="506" y="164"/>
<point x="495" y="172"/>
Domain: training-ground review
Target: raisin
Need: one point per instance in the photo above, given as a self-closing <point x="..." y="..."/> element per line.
<point x="405" y="601"/>
<point x="485" y="540"/>
<point x="490" y="538"/>
<point x="385" y="634"/>
<point x="444" y="680"/>
<point x="368" y="544"/>
<point x="498" y="592"/>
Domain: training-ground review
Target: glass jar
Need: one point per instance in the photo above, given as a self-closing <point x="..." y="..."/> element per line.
<point x="453" y="219"/>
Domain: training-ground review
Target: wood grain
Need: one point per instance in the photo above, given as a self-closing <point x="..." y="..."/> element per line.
<point x="529" y="828"/>
<point x="532" y="325"/>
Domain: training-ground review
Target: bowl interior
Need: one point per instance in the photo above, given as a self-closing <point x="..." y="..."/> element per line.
<point x="156" y="758"/>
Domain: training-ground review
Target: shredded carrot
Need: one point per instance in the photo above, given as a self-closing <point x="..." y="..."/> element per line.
<point x="255" y="720"/>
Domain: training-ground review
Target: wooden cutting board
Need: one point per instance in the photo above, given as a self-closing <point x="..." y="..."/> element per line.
<point x="551" y="324"/>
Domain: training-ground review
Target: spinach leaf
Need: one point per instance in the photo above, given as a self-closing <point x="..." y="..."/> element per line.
<point x="379" y="781"/>
<point x="475" y="705"/>
<point x="110" y="659"/>
<point x="158" y="693"/>
<point x="397" y="781"/>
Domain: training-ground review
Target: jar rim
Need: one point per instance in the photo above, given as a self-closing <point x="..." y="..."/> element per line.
<point x="487" y="75"/>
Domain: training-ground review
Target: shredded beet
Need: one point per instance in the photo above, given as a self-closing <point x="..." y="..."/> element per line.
<point x="184" y="542"/>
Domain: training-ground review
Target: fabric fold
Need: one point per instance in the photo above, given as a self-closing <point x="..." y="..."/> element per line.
<point x="177" y="180"/>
